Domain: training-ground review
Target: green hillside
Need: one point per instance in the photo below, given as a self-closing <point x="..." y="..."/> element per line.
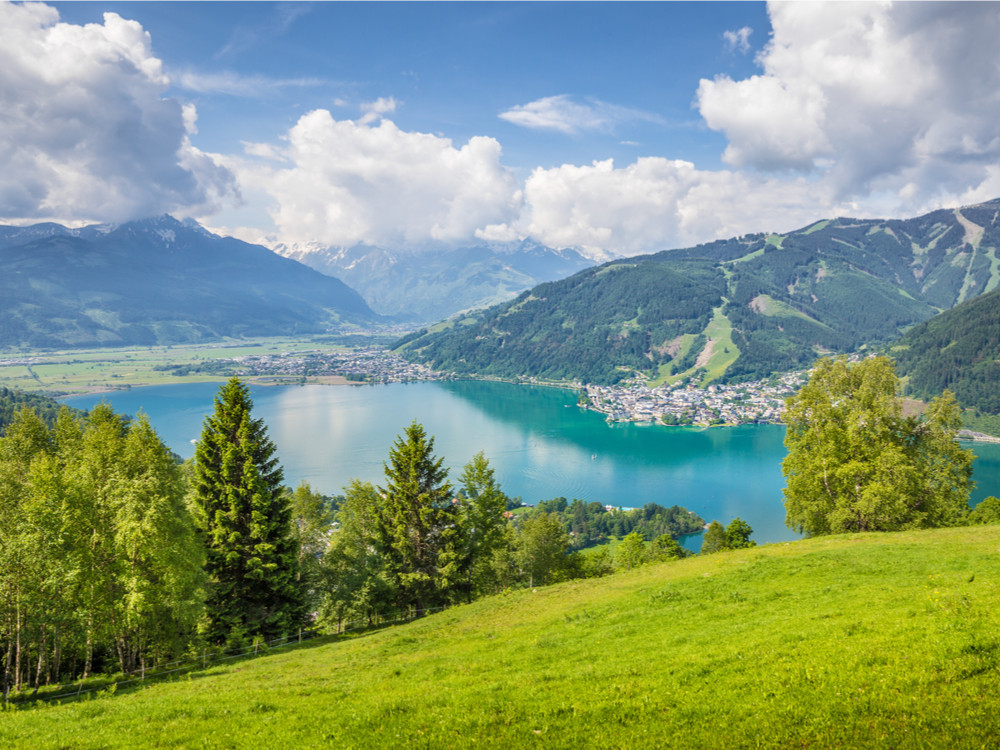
<point x="836" y="286"/>
<point x="959" y="350"/>
<point x="878" y="640"/>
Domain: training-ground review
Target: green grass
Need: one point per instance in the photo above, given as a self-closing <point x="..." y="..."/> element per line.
<point x="888" y="640"/>
<point x="725" y="352"/>
<point x="770" y="307"/>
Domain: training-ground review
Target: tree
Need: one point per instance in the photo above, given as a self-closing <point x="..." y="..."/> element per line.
<point x="359" y="580"/>
<point x="419" y="523"/>
<point x="312" y="519"/>
<point x="987" y="512"/>
<point x="715" y="539"/>
<point x="738" y="534"/>
<point x="484" y="504"/>
<point x="855" y="463"/>
<point x="542" y="546"/>
<point x="664" y="548"/>
<point x="251" y="555"/>
<point x="631" y="552"/>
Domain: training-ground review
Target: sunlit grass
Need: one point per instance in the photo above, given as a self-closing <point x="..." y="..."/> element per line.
<point x="888" y="640"/>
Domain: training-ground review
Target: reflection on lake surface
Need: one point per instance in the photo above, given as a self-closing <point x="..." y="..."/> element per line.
<point x="538" y="441"/>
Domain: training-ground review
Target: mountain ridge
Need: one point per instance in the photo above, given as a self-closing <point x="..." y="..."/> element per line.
<point x="730" y="310"/>
<point x="433" y="283"/>
<point x="158" y="281"/>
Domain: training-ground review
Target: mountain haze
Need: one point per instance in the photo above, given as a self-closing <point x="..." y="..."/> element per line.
<point x="433" y="284"/>
<point x="734" y="309"/>
<point x="158" y="281"/>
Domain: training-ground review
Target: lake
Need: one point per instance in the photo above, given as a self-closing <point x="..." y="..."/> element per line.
<point x="539" y="442"/>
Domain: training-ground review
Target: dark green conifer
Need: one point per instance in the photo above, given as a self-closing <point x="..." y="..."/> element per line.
<point x="419" y="523"/>
<point x="251" y="555"/>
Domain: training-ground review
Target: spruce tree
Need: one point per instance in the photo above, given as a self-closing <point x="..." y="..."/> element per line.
<point x="419" y="523"/>
<point x="251" y="555"/>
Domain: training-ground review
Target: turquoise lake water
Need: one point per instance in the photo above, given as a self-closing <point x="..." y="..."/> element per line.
<point x="538" y="441"/>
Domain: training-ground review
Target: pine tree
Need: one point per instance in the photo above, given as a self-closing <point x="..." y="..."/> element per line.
<point x="419" y="523"/>
<point x="251" y="555"/>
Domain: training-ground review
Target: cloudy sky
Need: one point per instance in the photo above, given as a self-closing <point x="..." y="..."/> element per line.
<point x="619" y="127"/>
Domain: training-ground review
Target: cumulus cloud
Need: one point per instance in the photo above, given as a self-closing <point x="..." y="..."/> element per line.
<point x="345" y="182"/>
<point x="87" y="133"/>
<point x="657" y="204"/>
<point x="900" y="98"/>
<point x="738" y="41"/>
<point x="563" y="115"/>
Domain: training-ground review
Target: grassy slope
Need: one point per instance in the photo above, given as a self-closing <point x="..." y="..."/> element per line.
<point x="865" y="641"/>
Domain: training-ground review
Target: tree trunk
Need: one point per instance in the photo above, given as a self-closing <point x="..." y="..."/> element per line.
<point x="6" y="668"/>
<point x="17" y="648"/>
<point x="41" y="662"/>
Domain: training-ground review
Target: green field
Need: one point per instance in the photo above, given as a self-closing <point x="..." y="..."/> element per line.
<point x="87" y="370"/>
<point x="867" y="641"/>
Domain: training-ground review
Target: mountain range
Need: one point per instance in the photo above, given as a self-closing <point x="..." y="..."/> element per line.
<point x="731" y="310"/>
<point x="158" y="281"/>
<point x="435" y="283"/>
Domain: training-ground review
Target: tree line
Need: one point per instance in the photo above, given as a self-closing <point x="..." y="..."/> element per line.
<point x="116" y="556"/>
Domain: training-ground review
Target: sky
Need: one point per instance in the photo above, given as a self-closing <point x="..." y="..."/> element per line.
<point x="619" y="128"/>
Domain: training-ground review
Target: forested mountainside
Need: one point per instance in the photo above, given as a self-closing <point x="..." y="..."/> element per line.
<point x="731" y="310"/>
<point x="434" y="284"/>
<point x="958" y="350"/>
<point x="157" y="281"/>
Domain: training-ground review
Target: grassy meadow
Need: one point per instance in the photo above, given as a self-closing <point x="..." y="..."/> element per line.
<point x="878" y="640"/>
<point x="89" y="370"/>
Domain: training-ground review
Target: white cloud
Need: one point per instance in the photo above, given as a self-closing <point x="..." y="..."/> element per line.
<point x="351" y="182"/>
<point x="87" y="133"/>
<point x="563" y="115"/>
<point x="899" y="98"/>
<point x="738" y="41"/>
<point x="376" y="109"/>
<point x="658" y="204"/>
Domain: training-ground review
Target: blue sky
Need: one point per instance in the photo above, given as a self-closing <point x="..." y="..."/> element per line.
<point x="617" y="127"/>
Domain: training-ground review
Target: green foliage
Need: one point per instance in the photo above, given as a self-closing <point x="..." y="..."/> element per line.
<point x="419" y="523"/>
<point x="246" y="518"/>
<point x="715" y="539"/>
<point x="99" y="558"/>
<point x="359" y="579"/>
<point x="738" y="534"/>
<point x="312" y="522"/>
<point x="591" y="523"/>
<point x="484" y="504"/>
<point x="855" y="463"/>
<point x="987" y="512"/>
<point x="542" y="547"/>
<point x="12" y="401"/>
<point x="631" y="553"/>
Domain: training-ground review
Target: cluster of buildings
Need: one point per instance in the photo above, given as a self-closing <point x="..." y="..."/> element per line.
<point x="761" y="401"/>
<point x="369" y="365"/>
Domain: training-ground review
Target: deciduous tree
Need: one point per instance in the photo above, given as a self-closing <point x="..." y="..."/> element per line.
<point x="855" y="463"/>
